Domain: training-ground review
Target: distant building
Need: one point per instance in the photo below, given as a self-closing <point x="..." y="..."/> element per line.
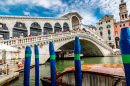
<point x="105" y="29"/>
<point x="124" y="21"/>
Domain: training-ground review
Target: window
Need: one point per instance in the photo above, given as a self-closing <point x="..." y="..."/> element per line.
<point x="123" y="25"/>
<point x="108" y="21"/>
<point x="101" y="34"/>
<point x="108" y="26"/>
<point x="109" y="38"/>
<point x="120" y="25"/>
<point x="116" y="32"/>
<point x="100" y="23"/>
<point x="115" y="26"/>
<point x="100" y="28"/>
<point x="109" y="32"/>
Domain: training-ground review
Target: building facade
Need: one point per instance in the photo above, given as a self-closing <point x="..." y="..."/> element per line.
<point x="124" y="21"/>
<point x="105" y="29"/>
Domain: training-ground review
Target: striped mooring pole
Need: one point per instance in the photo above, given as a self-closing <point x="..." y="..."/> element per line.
<point x="27" y="63"/>
<point x="36" y="65"/>
<point x="77" y="52"/>
<point x="52" y="64"/>
<point x="125" y="52"/>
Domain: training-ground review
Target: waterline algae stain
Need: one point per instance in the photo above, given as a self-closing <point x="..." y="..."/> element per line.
<point x="125" y="51"/>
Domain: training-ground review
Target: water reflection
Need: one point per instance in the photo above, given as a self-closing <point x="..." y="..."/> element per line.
<point x="115" y="60"/>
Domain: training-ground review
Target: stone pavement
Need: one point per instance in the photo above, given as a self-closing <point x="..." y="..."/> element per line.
<point x="7" y="78"/>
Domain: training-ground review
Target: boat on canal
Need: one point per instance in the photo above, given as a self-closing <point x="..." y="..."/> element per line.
<point x="92" y="75"/>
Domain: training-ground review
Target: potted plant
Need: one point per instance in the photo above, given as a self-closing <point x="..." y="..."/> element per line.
<point x="19" y="58"/>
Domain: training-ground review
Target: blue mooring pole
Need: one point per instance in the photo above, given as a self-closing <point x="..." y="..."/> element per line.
<point x="52" y="62"/>
<point x="77" y="52"/>
<point x="36" y="65"/>
<point x="125" y="52"/>
<point x="27" y="63"/>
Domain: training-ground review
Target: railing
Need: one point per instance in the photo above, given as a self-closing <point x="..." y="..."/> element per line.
<point x="17" y="41"/>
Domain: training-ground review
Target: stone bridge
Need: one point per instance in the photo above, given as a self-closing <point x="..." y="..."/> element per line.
<point x="91" y="45"/>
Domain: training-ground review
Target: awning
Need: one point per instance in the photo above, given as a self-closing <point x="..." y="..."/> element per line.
<point x="7" y="48"/>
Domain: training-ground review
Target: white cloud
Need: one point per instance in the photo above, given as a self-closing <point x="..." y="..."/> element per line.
<point x="42" y="3"/>
<point x="26" y="13"/>
<point x="86" y="8"/>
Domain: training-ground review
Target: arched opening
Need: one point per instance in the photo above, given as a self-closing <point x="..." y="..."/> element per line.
<point x="35" y="29"/>
<point x="19" y="29"/>
<point x="125" y="16"/>
<point x="117" y="42"/>
<point x="87" y="48"/>
<point x="65" y="27"/>
<point x="4" y="33"/>
<point x="57" y="28"/>
<point x="75" y="23"/>
<point x="47" y="28"/>
<point x="84" y="29"/>
<point x="101" y="34"/>
<point x="122" y="16"/>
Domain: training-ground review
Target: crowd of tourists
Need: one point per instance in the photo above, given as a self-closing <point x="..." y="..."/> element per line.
<point x="21" y="36"/>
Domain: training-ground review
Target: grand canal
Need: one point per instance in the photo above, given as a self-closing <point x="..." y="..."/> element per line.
<point x="60" y="65"/>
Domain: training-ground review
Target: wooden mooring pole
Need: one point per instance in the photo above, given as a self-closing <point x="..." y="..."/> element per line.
<point x="27" y="63"/>
<point x="125" y="52"/>
<point x="77" y="52"/>
<point x="52" y="64"/>
<point x="36" y="65"/>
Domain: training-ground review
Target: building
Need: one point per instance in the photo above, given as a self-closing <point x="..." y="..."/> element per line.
<point x="12" y="26"/>
<point x="105" y="29"/>
<point x="124" y="21"/>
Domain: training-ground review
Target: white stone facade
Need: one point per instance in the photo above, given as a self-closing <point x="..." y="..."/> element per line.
<point x="104" y="31"/>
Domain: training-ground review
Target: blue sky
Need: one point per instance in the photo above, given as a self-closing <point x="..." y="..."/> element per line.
<point x="90" y="10"/>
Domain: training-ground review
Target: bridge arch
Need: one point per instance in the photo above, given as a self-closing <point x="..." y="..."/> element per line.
<point x="4" y="31"/>
<point x="47" y="28"/>
<point x="35" y="29"/>
<point x="75" y="22"/>
<point x="88" y="47"/>
<point x="20" y="29"/>
<point x="65" y="27"/>
<point x="57" y="27"/>
<point x="84" y="29"/>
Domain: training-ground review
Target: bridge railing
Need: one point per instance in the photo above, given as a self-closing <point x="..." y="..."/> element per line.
<point x="17" y="41"/>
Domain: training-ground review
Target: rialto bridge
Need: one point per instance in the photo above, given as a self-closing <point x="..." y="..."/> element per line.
<point x="91" y="44"/>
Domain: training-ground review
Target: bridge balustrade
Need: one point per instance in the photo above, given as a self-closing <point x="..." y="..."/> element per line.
<point x="17" y="41"/>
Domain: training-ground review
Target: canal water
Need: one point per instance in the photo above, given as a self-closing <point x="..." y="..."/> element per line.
<point x="60" y="65"/>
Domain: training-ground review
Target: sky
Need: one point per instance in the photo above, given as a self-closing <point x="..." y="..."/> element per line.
<point x="90" y="10"/>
